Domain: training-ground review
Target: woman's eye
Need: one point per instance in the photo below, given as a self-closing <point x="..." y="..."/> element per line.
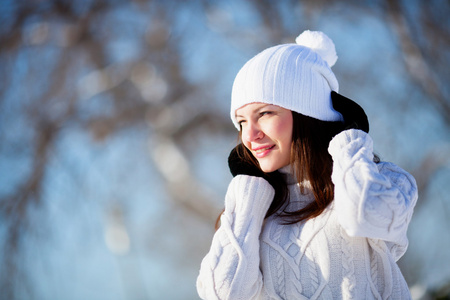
<point x="263" y="113"/>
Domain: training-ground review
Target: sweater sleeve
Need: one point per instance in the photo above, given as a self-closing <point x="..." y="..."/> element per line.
<point x="372" y="200"/>
<point x="231" y="268"/>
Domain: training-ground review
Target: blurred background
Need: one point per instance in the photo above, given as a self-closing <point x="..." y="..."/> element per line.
<point x="115" y="131"/>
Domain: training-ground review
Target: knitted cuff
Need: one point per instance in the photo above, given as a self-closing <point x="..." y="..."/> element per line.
<point x="249" y="196"/>
<point x="351" y="141"/>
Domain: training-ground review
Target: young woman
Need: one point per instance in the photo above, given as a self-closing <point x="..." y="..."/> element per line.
<point x="310" y="212"/>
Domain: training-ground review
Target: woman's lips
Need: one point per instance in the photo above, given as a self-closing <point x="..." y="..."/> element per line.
<point x="263" y="151"/>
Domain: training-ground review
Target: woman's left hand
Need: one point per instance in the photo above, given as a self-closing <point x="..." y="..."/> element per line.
<point x="353" y="114"/>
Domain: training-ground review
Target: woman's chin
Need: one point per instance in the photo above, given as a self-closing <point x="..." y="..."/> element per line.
<point x="268" y="169"/>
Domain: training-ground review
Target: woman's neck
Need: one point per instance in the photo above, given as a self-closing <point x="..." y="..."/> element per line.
<point x="289" y="174"/>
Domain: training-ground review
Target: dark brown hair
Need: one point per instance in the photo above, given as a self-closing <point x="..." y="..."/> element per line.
<point x="310" y="161"/>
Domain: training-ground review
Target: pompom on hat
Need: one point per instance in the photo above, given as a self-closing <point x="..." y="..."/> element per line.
<point x="297" y="77"/>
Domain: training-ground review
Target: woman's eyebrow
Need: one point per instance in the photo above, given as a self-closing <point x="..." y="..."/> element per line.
<point x="262" y="107"/>
<point x="259" y="109"/>
<point x="256" y="110"/>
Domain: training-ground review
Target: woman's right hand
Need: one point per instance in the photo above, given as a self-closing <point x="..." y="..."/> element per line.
<point x="231" y="270"/>
<point x="239" y="166"/>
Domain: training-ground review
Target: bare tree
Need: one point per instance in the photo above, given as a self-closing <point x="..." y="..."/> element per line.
<point x="56" y="56"/>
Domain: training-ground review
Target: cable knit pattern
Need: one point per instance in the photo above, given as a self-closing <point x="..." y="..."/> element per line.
<point x="348" y="252"/>
<point x="348" y="268"/>
<point x="374" y="269"/>
<point x="371" y="202"/>
<point x="231" y="268"/>
<point x="312" y="269"/>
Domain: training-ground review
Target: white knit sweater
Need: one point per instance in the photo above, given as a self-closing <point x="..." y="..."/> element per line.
<point x="348" y="252"/>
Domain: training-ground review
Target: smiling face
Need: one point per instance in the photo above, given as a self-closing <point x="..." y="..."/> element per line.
<point x="267" y="132"/>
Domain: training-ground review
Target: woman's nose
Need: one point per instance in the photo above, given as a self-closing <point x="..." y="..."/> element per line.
<point x="253" y="132"/>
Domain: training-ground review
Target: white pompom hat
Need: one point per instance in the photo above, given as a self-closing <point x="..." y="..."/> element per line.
<point x="297" y="77"/>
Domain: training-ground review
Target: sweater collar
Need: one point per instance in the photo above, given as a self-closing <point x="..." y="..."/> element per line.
<point x="290" y="178"/>
<point x="288" y="174"/>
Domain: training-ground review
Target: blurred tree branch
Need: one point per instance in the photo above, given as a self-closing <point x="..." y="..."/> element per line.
<point x="152" y="89"/>
<point x="417" y="61"/>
